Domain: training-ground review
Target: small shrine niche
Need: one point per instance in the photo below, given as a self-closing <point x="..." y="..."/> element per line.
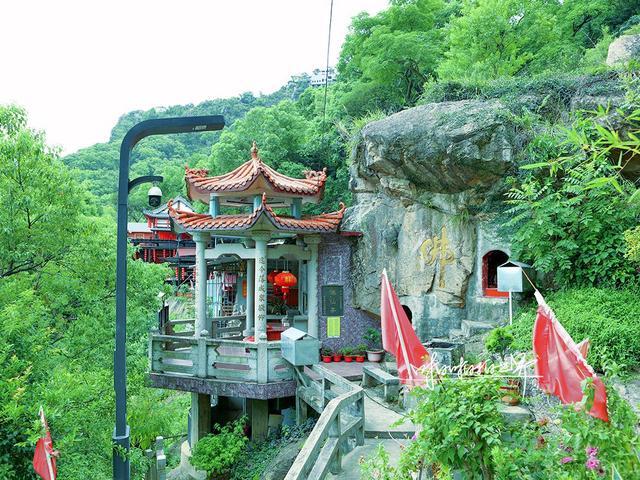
<point x="490" y="263"/>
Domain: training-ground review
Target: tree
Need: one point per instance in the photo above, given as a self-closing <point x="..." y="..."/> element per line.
<point x="394" y="51"/>
<point x="40" y="202"/>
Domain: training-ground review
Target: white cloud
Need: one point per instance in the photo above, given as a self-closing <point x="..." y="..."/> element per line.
<point x="76" y="66"/>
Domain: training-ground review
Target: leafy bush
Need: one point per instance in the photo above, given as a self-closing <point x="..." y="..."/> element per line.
<point x="575" y="446"/>
<point x="607" y="316"/>
<point x="460" y="425"/>
<point x="570" y="207"/>
<point x="258" y="457"/>
<point x="463" y="430"/>
<point x="499" y="340"/>
<point x="217" y="454"/>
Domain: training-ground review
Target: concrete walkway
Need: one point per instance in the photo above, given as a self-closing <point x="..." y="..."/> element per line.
<point x="379" y="421"/>
<point x="351" y="461"/>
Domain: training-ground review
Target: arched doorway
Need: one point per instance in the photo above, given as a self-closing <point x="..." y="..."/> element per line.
<point x="490" y="263"/>
<point x="408" y="312"/>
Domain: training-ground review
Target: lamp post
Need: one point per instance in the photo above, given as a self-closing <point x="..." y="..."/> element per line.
<point x="160" y="126"/>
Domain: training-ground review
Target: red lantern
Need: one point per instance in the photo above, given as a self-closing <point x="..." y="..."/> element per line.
<point x="271" y="277"/>
<point x="285" y="280"/>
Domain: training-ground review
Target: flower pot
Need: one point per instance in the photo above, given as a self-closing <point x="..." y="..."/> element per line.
<point x="348" y="358"/>
<point x="326" y="358"/>
<point x="375" y="355"/>
<point x="359" y="358"/>
<point x="337" y="358"/>
<point x="511" y="395"/>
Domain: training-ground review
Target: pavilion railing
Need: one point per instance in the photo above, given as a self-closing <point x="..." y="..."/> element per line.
<point x="340" y="426"/>
<point x="217" y="358"/>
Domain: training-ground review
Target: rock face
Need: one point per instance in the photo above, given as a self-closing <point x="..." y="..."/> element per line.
<point x="416" y="177"/>
<point x="623" y="49"/>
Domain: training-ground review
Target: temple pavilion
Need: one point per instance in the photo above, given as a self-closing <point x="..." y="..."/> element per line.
<point x="257" y="272"/>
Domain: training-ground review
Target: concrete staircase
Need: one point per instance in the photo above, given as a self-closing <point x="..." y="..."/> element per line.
<point x="472" y="333"/>
<point x="380" y="429"/>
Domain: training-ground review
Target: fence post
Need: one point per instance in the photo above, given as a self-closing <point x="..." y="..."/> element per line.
<point x="334" y="432"/>
<point x="161" y="459"/>
<point x="262" y="362"/>
<point x="151" y="462"/>
<point x="202" y="355"/>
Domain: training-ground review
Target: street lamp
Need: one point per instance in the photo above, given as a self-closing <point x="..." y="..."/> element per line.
<point x="160" y="126"/>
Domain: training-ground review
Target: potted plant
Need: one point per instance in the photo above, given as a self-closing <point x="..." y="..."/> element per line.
<point x="373" y="337"/>
<point x="325" y="353"/>
<point x="337" y="356"/>
<point x="360" y="352"/>
<point x="347" y="352"/>
<point x="510" y="393"/>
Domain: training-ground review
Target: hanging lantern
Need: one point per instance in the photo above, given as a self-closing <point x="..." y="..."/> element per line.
<point x="285" y="280"/>
<point x="271" y="276"/>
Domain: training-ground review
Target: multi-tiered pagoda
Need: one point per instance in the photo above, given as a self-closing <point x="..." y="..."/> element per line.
<point x="257" y="272"/>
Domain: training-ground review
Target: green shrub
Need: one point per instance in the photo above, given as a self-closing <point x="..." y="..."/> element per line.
<point x="570" y="205"/>
<point x="462" y="429"/>
<point x="499" y="340"/>
<point x="217" y="454"/>
<point x="460" y="425"/>
<point x="607" y="316"/>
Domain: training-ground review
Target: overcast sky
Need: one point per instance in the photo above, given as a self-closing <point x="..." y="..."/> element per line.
<point x="76" y="66"/>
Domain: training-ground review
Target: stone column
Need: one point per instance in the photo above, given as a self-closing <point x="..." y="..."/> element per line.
<point x="201" y="240"/>
<point x="251" y="271"/>
<point x="260" y="288"/>
<point x="312" y="286"/>
<point x="214" y="205"/>
<point x="200" y="417"/>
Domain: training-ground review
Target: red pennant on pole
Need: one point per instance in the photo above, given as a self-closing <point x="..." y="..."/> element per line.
<point x="44" y="462"/>
<point x="560" y="363"/>
<point x="399" y="338"/>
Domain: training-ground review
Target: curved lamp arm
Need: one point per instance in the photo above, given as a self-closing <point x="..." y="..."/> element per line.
<point x="159" y="126"/>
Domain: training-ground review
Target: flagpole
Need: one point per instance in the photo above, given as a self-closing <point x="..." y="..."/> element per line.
<point x="46" y="452"/>
<point x="400" y="337"/>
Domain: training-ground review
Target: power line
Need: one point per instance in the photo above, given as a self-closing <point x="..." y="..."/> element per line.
<point x="326" y="75"/>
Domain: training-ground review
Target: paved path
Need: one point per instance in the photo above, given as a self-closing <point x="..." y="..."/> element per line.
<point x="351" y="461"/>
<point x="379" y="419"/>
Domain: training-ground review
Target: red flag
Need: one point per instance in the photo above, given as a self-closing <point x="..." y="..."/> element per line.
<point x="399" y="338"/>
<point x="560" y="365"/>
<point x="44" y="462"/>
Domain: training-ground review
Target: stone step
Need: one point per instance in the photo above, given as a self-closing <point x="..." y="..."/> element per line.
<point x="456" y="333"/>
<point x="471" y="327"/>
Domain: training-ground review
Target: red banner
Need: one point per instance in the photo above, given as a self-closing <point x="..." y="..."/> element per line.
<point x="560" y="363"/>
<point x="44" y="462"/>
<point x="399" y="338"/>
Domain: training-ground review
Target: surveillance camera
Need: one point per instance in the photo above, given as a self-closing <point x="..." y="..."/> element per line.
<point x="155" y="196"/>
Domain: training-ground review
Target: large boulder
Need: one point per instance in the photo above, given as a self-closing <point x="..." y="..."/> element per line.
<point x="445" y="147"/>
<point x="623" y="49"/>
<point x="415" y="176"/>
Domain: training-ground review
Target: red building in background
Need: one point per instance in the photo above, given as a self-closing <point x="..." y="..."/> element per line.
<point x="157" y="243"/>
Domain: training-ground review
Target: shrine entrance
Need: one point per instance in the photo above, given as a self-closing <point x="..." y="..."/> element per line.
<point x="490" y="263"/>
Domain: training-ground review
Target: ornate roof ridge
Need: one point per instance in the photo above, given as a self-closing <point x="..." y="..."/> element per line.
<point x="325" y="222"/>
<point x="242" y="177"/>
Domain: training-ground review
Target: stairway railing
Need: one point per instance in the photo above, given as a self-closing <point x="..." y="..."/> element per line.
<point x="157" y="461"/>
<point x="339" y="428"/>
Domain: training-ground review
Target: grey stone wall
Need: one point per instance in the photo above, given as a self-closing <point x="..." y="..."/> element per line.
<point x="335" y="268"/>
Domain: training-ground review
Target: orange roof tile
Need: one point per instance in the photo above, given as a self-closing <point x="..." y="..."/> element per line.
<point x="241" y="179"/>
<point x="323" y="223"/>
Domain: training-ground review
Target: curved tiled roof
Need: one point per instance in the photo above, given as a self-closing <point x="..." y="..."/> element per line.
<point x="323" y="223"/>
<point x="241" y="179"/>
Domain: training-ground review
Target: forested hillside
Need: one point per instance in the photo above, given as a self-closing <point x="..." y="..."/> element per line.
<point x="57" y="249"/>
